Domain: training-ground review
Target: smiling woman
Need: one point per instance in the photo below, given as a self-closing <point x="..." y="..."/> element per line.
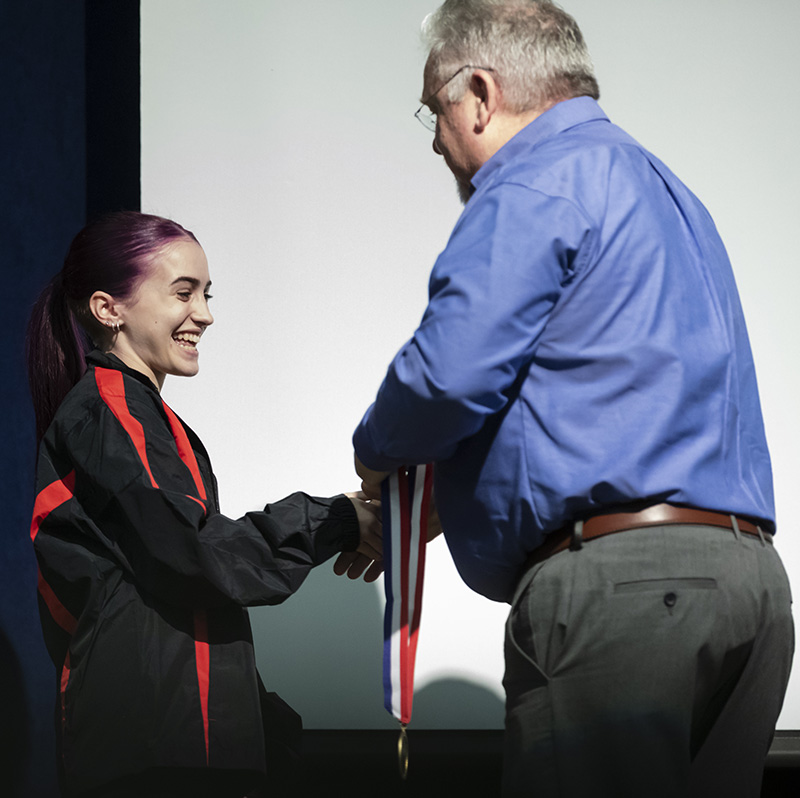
<point x="142" y="581"/>
<point x="157" y="330"/>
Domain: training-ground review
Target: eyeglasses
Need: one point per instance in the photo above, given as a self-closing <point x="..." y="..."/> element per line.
<point x="426" y="117"/>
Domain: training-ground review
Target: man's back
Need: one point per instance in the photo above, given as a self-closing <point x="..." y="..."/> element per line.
<point x="588" y="348"/>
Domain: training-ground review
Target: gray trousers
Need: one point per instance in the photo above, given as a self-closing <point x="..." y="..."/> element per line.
<point x="651" y="662"/>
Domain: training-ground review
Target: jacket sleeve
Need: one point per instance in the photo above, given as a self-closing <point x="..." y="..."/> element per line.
<point x="491" y="293"/>
<point x="136" y="502"/>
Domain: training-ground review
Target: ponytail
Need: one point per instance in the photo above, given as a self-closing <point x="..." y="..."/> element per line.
<point x="55" y="349"/>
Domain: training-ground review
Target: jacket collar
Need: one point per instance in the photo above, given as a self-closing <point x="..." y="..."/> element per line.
<point x="106" y="360"/>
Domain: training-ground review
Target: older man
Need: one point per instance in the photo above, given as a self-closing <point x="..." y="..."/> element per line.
<point x="583" y="380"/>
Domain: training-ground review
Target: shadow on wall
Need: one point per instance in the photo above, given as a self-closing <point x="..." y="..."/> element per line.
<point x="322" y="651"/>
<point x="457" y="704"/>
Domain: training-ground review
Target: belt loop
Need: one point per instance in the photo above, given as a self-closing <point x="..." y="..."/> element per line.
<point x="735" y="527"/>
<point x="577" y="536"/>
<point x="761" y="535"/>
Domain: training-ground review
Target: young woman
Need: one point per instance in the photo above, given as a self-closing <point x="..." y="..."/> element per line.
<point x="143" y="582"/>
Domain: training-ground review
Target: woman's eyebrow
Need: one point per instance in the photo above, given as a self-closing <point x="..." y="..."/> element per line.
<point x="193" y="281"/>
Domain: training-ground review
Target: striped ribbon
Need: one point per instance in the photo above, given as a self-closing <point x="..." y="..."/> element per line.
<point x="405" y="497"/>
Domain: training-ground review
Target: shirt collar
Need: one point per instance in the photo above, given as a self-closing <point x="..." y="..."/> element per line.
<point x="562" y="116"/>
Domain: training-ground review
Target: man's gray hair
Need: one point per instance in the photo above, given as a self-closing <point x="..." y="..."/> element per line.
<point x="535" y="48"/>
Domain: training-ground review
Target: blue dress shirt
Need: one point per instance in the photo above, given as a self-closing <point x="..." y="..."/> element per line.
<point x="583" y="347"/>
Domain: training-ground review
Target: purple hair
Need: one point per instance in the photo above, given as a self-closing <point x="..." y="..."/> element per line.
<point x="111" y="254"/>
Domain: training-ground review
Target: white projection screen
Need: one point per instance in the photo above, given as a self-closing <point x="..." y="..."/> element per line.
<point x="282" y="134"/>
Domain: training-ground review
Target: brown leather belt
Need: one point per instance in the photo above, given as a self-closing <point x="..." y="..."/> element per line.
<point x="656" y="515"/>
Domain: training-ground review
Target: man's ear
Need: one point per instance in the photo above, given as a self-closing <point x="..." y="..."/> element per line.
<point x="105" y="309"/>
<point x="487" y="94"/>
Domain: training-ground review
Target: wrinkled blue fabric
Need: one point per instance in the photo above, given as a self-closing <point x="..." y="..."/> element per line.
<point x="583" y="347"/>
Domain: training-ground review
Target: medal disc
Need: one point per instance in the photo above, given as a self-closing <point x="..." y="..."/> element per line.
<point x="402" y="753"/>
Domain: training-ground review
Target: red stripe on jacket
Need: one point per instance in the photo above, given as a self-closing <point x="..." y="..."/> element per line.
<point x="185" y="450"/>
<point x="61" y="615"/>
<point x="111" y="386"/>
<point x="202" y="656"/>
<point x="49" y="498"/>
<point x="54" y="495"/>
<point x="202" y="651"/>
<point x="65" y="672"/>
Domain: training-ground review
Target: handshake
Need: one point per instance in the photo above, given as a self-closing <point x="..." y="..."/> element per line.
<point x="367" y="558"/>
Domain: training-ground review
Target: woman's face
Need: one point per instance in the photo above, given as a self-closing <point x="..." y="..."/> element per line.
<point x="161" y="324"/>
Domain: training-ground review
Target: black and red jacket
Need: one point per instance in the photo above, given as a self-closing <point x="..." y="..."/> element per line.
<point x="143" y="584"/>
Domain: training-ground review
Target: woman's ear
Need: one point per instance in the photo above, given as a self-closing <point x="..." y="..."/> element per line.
<point x="105" y="309"/>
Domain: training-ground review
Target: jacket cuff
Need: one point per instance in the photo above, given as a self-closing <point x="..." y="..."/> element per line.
<point x="343" y="517"/>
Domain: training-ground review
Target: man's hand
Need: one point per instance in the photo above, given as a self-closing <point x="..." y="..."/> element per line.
<point x="367" y="559"/>
<point x="370" y="480"/>
<point x="369" y="554"/>
<point x="371" y="487"/>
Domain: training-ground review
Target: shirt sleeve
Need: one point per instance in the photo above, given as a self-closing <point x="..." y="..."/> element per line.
<point x="491" y="293"/>
<point x="135" y="502"/>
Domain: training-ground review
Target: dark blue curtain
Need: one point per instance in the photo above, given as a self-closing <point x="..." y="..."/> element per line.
<point x="69" y="145"/>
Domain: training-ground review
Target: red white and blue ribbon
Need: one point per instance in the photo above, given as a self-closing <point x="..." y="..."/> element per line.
<point x="405" y="498"/>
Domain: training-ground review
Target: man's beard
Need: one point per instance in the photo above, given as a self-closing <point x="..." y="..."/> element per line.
<point x="465" y="190"/>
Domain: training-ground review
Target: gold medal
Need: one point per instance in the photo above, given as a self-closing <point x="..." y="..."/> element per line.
<point x="402" y="753"/>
